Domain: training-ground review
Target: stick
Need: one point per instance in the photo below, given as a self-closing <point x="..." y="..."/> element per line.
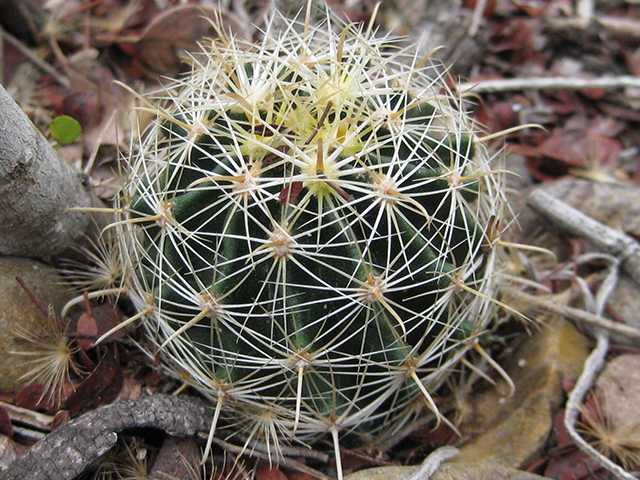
<point x="599" y="235"/>
<point x="284" y="461"/>
<point x="540" y="83"/>
<point x="36" y="190"/>
<point x="592" y="366"/>
<point x="574" y="314"/>
<point x="430" y="464"/>
<point x="67" y="451"/>
<point x="36" y="60"/>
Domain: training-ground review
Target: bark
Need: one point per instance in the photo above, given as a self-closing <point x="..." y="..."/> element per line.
<point x="68" y="451"/>
<point x="36" y="189"/>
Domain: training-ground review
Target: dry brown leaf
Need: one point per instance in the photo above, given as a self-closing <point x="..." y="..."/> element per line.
<point x="177" y="460"/>
<point x="174" y="32"/>
<point x="18" y="312"/>
<point x="448" y="471"/>
<point x="269" y="472"/>
<point x="516" y="429"/>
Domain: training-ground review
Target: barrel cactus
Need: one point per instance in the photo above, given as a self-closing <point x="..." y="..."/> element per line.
<point x="307" y="232"/>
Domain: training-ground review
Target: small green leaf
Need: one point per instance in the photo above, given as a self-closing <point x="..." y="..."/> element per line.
<point x="65" y="129"/>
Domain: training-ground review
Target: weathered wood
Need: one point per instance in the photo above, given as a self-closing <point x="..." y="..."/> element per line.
<point x="69" y="450"/>
<point x="599" y="235"/>
<point x="36" y="190"/>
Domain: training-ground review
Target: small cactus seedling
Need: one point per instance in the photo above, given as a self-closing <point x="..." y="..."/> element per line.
<point x="307" y="232"/>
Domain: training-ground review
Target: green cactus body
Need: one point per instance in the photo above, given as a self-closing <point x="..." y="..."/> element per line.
<point x="306" y="226"/>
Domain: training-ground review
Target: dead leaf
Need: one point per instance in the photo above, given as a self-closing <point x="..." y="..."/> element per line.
<point x="269" y="472"/>
<point x="131" y="388"/>
<point x="299" y="476"/>
<point x="108" y="316"/>
<point x="60" y="418"/>
<point x="514" y="40"/>
<point x="102" y="386"/>
<point x="8" y="452"/>
<point x="179" y="30"/>
<point x="632" y="59"/>
<point x="6" y="428"/>
<point x="621" y="112"/>
<point x="34" y="397"/>
<point x="582" y="153"/>
<point x="516" y="429"/>
<point x="575" y="465"/>
<point x="176" y="460"/>
<point x="87" y="327"/>
<point x="448" y="471"/>
<point x="624" y="305"/>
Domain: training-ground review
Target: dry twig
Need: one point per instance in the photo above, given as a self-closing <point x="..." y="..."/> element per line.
<point x="541" y="302"/>
<point x="67" y="451"/>
<point x="284" y="461"/>
<point x="36" y="190"/>
<point x="604" y="238"/>
<point x="592" y="366"/>
<point x="541" y="83"/>
<point x="33" y="57"/>
<point x="433" y="462"/>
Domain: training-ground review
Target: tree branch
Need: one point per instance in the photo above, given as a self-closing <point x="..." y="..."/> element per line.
<point x="69" y="450"/>
<point x="604" y="238"/>
<point x="36" y="190"/>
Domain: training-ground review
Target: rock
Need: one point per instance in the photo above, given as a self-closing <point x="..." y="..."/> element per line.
<point x="448" y="471"/>
<point x="509" y="433"/>
<point x="624" y="302"/>
<point x="616" y="388"/>
<point x="513" y="431"/>
<point x="17" y="310"/>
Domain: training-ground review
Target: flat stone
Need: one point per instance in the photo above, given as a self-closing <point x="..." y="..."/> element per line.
<point x="18" y="311"/>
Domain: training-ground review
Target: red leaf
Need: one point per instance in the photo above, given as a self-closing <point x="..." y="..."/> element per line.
<point x="632" y="59"/>
<point x="299" y="476"/>
<point x="177" y="30"/>
<point x="290" y="193"/>
<point x="620" y="111"/>
<point x="497" y="117"/>
<point x="34" y="397"/>
<point x="268" y="472"/>
<point x="489" y="8"/>
<point x="175" y="459"/>
<point x="560" y="435"/>
<point x="514" y="38"/>
<point x="6" y="428"/>
<point x="102" y="386"/>
<point x="594" y="93"/>
<point x="575" y="465"/>
<point x="108" y="316"/>
<point x="131" y="388"/>
<point x="60" y="418"/>
<point x="87" y="327"/>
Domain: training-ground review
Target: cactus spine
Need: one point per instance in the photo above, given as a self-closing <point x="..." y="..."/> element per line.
<point x="307" y="232"/>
